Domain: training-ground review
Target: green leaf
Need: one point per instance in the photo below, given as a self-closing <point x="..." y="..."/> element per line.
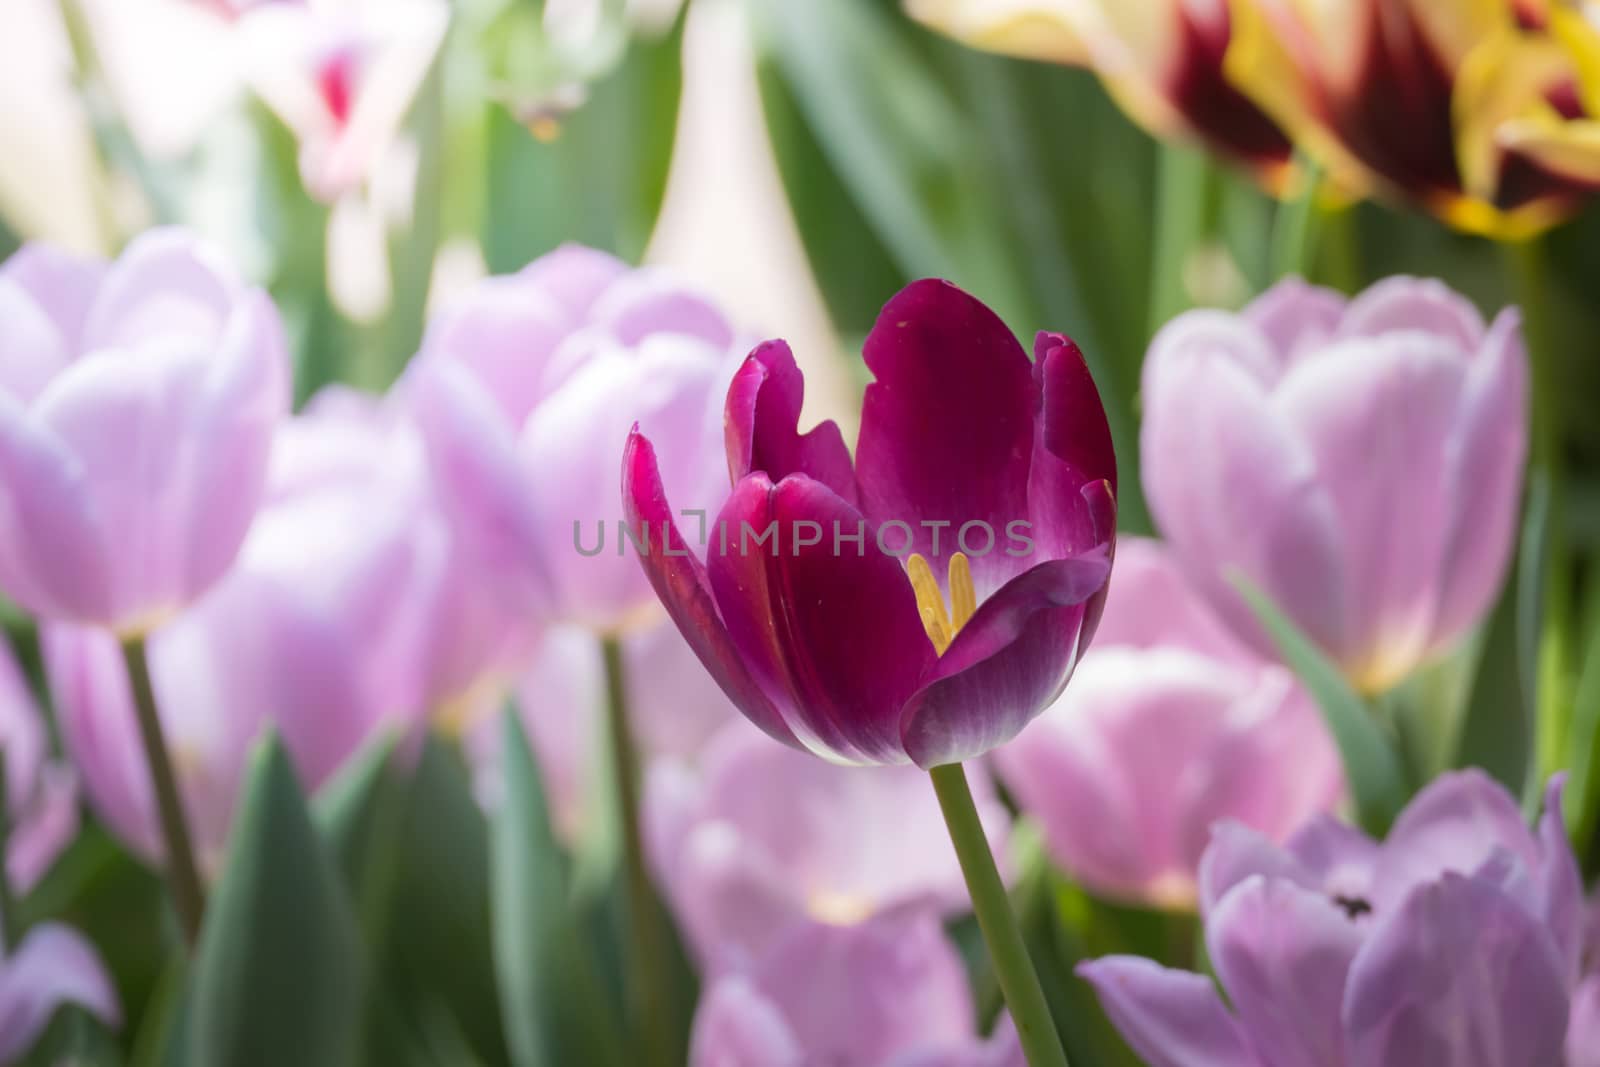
<point x="1496" y="731"/>
<point x="1372" y="768"/>
<point x="437" y="955"/>
<point x="600" y="176"/>
<point x="277" y="977"/>
<point x="1582" y="798"/>
<point x="549" y="991"/>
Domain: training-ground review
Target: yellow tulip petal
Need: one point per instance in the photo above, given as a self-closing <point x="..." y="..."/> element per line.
<point x="1030" y="29"/>
<point x="1506" y="78"/>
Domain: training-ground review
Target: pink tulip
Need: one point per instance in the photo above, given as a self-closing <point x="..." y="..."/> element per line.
<point x="50" y="967"/>
<point x="1169" y="725"/>
<point x="1359" y="462"/>
<point x="527" y="387"/>
<point x="760" y="837"/>
<point x="345" y="617"/>
<point x="40" y="801"/>
<point x="887" y="993"/>
<point x="137" y="404"/>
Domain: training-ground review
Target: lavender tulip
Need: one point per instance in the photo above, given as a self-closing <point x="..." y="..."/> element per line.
<point x="526" y="388"/>
<point x="50" y="967"/>
<point x="40" y="800"/>
<point x="837" y="645"/>
<point x="137" y="404"/>
<point x="341" y="620"/>
<point x="1455" y="942"/>
<point x="759" y="838"/>
<point x="1239" y="739"/>
<point x="887" y="993"/>
<point x="1583" y="1025"/>
<point x="1362" y="463"/>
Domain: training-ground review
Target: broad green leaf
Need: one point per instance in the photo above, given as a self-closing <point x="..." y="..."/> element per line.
<point x="1496" y="731"/>
<point x="550" y="994"/>
<point x="436" y="957"/>
<point x="598" y="175"/>
<point x="1582" y="799"/>
<point x="277" y="976"/>
<point x="1372" y="768"/>
<point x="164" y="1023"/>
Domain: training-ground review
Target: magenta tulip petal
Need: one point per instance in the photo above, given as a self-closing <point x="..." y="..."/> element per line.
<point x="847" y="652"/>
<point x="763" y="416"/>
<point x="1486" y="458"/>
<point x="52" y="966"/>
<point x="947" y="425"/>
<point x="1295" y="317"/>
<point x="1011" y="660"/>
<point x="1282" y="953"/>
<point x="1557" y="882"/>
<point x="1454" y="824"/>
<point x="45" y="829"/>
<point x="1073" y="426"/>
<point x="680" y="580"/>
<point x="1459" y="975"/>
<point x="1170" y="1018"/>
<point x="1423" y="305"/>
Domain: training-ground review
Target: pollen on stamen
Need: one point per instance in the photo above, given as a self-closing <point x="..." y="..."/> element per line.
<point x="940" y="622"/>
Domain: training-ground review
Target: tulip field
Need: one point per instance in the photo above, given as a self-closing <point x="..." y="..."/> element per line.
<point x="760" y="533"/>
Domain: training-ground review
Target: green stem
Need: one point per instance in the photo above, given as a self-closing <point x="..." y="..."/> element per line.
<point x="1294" y="229"/>
<point x="1018" y="980"/>
<point x="650" y="992"/>
<point x="1184" y="178"/>
<point x="1553" y="667"/>
<point x="183" y="875"/>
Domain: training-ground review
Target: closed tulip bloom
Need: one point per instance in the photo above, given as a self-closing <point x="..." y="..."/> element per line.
<point x="1361" y="464"/>
<point x="1129" y="816"/>
<point x="979" y="476"/>
<point x="760" y="837"/>
<point x="1485" y="113"/>
<point x="1161" y="59"/>
<point x="322" y="632"/>
<point x="137" y="404"/>
<point x="1455" y="942"/>
<point x="526" y="388"/>
<point x="887" y="993"/>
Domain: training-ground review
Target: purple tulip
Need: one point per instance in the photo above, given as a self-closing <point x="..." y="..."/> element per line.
<point x="760" y="837"/>
<point x="1583" y="1025"/>
<point x="51" y="966"/>
<point x="1239" y="739"/>
<point x="992" y="474"/>
<point x="340" y="621"/>
<point x="1359" y="462"/>
<point x="136" y="410"/>
<point x="673" y="705"/>
<point x="137" y="404"/>
<point x="1456" y="942"/>
<point x="40" y="801"/>
<point x="526" y="388"/>
<point x="887" y="993"/>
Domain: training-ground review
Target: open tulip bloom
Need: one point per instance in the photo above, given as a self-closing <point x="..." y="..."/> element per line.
<point x="924" y="602"/>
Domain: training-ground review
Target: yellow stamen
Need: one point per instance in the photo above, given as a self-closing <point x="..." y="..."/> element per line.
<point x="941" y="622"/>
